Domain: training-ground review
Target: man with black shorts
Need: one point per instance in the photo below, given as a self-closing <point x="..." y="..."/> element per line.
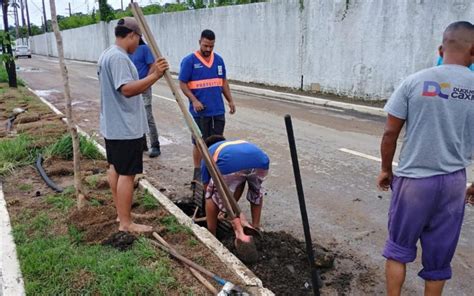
<point x="202" y="79"/>
<point x="123" y="119"/>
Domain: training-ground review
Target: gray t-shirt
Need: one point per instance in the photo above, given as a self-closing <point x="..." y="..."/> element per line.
<point x="438" y="106"/>
<point x="121" y="118"/>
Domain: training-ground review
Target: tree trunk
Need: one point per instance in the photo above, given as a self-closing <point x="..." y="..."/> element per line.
<point x="10" y="61"/>
<point x="70" y="121"/>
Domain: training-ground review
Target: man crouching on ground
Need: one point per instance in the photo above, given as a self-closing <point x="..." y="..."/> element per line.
<point x="239" y="162"/>
<point x="123" y="119"/>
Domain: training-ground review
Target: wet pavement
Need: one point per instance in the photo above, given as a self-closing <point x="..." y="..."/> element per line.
<point x="337" y="150"/>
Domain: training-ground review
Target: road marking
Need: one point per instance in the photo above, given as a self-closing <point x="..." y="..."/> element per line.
<point x="92" y="77"/>
<point x="164" y="98"/>
<point x="364" y="155"/>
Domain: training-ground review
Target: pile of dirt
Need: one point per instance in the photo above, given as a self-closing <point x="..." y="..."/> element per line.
<point x="283" y="264"/>
<point x="96" y="223"/>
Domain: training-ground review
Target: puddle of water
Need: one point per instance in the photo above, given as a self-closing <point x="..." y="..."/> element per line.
<point x="46" y="92"/>
<point x="164" y="141"/>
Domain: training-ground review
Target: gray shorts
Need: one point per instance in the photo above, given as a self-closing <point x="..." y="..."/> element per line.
<point x="254" y="178"/>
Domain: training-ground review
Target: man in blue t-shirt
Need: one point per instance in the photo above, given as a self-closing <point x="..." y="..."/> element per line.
<point x="202" y="79"/>
<point x="239" y="162"/>
<point x="143" y="59"/>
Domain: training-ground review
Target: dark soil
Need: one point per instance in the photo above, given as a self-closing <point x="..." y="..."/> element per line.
<point x="121" y="240"/>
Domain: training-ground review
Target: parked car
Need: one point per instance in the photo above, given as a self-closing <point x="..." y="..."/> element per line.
<point x="22" y="51"/>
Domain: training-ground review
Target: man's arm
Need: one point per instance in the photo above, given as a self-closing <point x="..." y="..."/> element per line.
<point x="197" y="105"/>
<point x="393" y="126"/>
<point x="137" y="87"/>
<point x="228" y="96"/>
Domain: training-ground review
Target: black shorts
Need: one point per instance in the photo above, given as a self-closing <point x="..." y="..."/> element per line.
<point x="210" y="125"/>
<point x="125" y="155"/>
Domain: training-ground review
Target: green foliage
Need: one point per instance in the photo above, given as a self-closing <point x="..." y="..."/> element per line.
<point x="15" y="152"/>
<point x="63" y="148"/>
<point x="25" y="187"/>
<point x="76" y="20"/>
<point x="106" y="11"/>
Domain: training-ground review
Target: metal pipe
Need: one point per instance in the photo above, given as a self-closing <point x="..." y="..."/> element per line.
<point x="304" y="215"/>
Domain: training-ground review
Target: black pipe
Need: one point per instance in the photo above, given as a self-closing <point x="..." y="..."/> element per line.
<point x="47" y="180"/>
<point x="304" y="216"/>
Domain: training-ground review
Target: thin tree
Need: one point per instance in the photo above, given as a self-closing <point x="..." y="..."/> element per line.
<point x="70" y="120"/>
<point x="7" y="56"/>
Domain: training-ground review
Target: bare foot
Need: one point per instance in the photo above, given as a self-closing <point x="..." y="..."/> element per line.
<point x="133" y="227"/>
<point x="139" y="216"/>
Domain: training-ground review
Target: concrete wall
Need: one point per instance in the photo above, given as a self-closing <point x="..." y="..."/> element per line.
<point x="360" y="48"/>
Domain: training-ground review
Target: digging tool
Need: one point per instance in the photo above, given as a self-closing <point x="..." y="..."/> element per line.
<point x="224" y="192"/>
<point x="228" y="287"/>
<point x="304" y="215"/>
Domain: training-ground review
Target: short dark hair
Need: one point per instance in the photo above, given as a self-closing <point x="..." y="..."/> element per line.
<point x="122" y="32"/>
<point x="208" y="34"/>
<point x="459" y="25"/>
<point x="214" y="139"/>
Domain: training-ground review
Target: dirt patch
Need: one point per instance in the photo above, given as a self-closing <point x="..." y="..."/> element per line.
<point x="120" y="240"/>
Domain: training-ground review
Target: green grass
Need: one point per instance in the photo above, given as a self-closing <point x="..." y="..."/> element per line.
<point x="63" y="148"/>
<point x="64" y="200"/>
<point x="25" y="187"/>
<point x="148" y="201"/>
<point x="173" y="226"/>
<point x="3" y="73"/>
<point x="92" y="180"/>
<point x="61" y="265"/>
<point x="15" y="152"/>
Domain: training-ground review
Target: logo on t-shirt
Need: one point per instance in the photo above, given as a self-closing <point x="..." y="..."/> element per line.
<point x="219" y="70"/>
<point x="198" y="66"/>
<point x="433" y="89"/>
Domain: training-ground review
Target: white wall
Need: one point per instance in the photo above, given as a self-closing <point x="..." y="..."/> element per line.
<point x="361" y="48"/>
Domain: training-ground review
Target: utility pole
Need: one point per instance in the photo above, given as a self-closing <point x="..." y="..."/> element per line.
<point x="121" y="3"/>
<point x="28" y="17"/>
<point x="22" y="9"/>
<point x="70" y="13"/>
<point x="9" y="62"/>
<point x="45" y="19"/>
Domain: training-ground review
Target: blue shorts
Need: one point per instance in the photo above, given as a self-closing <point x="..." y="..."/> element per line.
<point x="430" y="210"/>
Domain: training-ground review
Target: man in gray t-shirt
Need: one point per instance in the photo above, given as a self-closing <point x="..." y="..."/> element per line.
<point x="436" y="106"/>
<point x="122" y="116"/>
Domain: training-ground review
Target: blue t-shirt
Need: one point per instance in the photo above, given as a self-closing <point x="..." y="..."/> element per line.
<point x="205" y="80"/>
<point x="440" y="62"/>
<point x="235" y="156"/>
<point x="142" y="58"/>
<point x="438" y="107"/>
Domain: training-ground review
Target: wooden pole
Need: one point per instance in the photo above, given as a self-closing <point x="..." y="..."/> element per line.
<point x="230" y="204"/>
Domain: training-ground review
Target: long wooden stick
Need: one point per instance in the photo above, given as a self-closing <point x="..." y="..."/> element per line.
<point x="196" y="273"/>
<point x="224" y="192"/>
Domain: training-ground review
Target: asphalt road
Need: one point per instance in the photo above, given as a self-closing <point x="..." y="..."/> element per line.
<point x="337" y="150"/>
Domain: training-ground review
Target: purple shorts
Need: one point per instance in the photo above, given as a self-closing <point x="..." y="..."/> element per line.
<point x="430" y="210"/>
<point x="254" y="178"/>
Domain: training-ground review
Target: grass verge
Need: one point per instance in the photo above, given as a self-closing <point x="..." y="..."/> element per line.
<point x="55" y="264"/>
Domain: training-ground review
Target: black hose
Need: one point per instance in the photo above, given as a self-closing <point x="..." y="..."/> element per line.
<point x="47" y="180"/>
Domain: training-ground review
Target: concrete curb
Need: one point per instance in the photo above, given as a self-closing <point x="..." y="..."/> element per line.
<point x="289" y="97"/>
<point x="11" y="280"/>
<point x="251" y="281"/>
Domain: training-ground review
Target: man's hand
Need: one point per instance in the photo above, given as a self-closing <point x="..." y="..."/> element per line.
<point x="470" y="194"/>
<point x="160" y="66"/>
<point x="231" y="107"/>
<point x="384" y="180"/>
<point x="197" y="105"/>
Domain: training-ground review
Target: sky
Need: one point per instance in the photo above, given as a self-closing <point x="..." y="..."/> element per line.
<point x="36" y="8"/>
